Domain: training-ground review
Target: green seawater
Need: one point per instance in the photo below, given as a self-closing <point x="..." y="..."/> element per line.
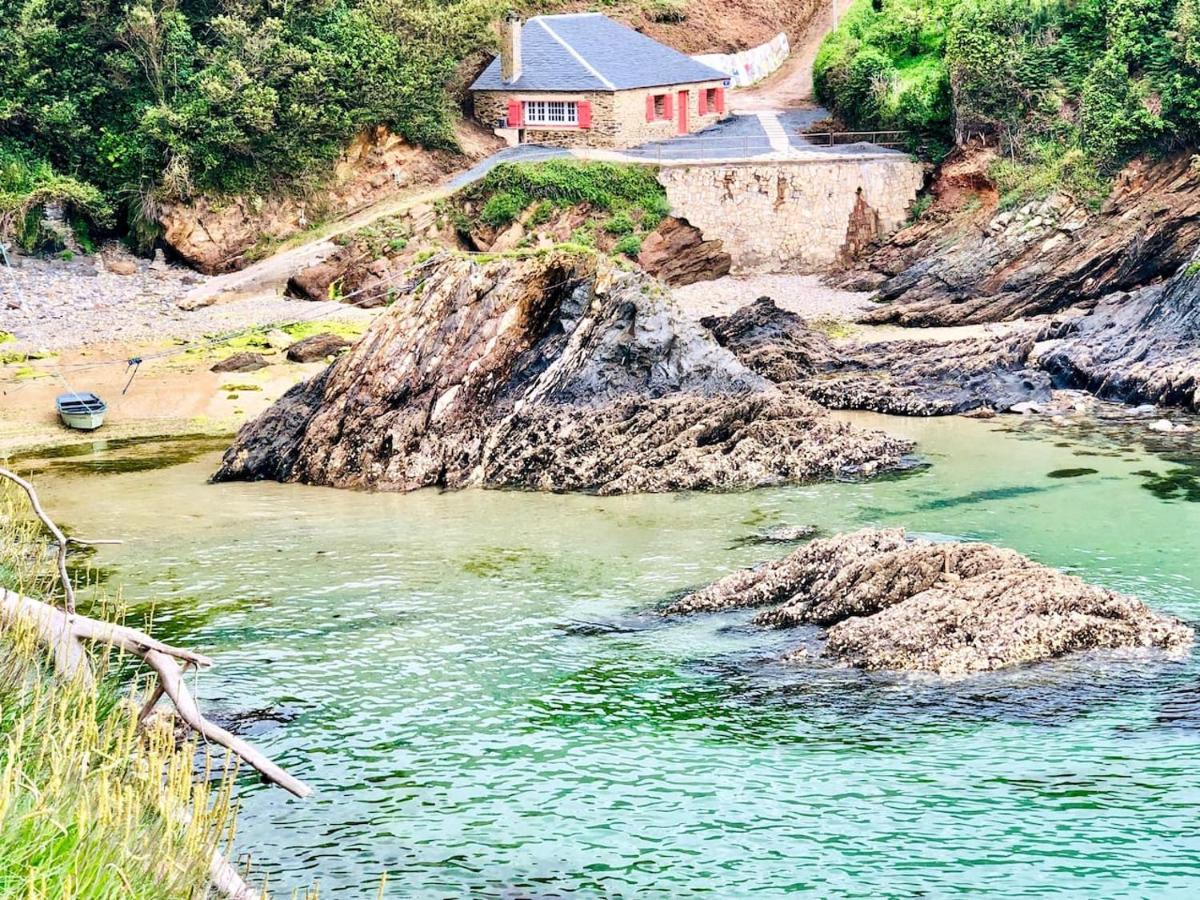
<point x="477" y="688"/>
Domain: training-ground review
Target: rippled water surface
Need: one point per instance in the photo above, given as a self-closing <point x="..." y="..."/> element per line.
<point x="477" y="690"/>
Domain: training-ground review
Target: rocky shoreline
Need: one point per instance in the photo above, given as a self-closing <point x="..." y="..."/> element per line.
<point x="1111" y="294"/>
<point x="897" y="603"/>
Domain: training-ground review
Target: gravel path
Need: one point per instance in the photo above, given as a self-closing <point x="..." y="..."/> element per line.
<point x="805" y="295"/>
<point x="792" y="85"/>
<point x="55" y="305"/>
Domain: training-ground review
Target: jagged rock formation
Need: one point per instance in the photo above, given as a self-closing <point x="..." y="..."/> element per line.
<point x="912" y="378"/>
<point x="1139" y="348"/>
<point x="551" y="372"/>
<point x="677" y="253"/>
<point x="891" y="602"/>
<point x="991" y="266"/>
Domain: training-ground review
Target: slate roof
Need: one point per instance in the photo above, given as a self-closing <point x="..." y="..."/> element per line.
<point x="591" y="52"/>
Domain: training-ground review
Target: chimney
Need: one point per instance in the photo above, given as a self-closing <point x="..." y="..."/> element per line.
<point x="510" y="48"/>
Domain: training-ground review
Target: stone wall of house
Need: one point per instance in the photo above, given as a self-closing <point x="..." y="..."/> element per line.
<point x="618" y="118"/>
<point x="795" y="215"/>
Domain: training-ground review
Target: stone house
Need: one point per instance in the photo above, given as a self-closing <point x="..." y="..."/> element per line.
<point x="583" y="80"/>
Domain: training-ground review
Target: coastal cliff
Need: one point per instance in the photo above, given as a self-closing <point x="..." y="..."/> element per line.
<point x="969" y="261"/>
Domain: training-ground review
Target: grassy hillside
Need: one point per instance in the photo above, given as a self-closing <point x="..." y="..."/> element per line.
<point x="1102" y="80"/>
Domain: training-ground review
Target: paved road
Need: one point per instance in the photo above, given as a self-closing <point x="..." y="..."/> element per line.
<point x="748" y="136"/>
<point x="522" y="153"/>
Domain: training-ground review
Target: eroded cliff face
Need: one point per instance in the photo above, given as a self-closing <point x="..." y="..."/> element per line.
<point x="218" y="235"/>
<point x="549" y="372"/>
<point x="968" y="263"/>
<point x="1139" y="347"/>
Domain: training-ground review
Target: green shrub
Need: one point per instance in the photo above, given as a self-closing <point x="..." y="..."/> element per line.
<point x="141" y="98"/>
<point x="1048" y="167"/>
<point x="27" y="185"/>
<point x="630" y="245"/>
<point x="502" y="209"/>
<point x="631" y="193"/>
<point x="541" y="213"/>
<point x="886" y="69"/>
<point x="620" y="224"/>
<point x="1110" y="78"/>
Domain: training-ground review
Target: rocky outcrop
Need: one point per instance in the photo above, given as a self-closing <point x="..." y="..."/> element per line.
<point x="912" y="378"/>
<point x="891" y="602"/>
<point x="242" y="361"/>
<point x="218" y="235"/>
<point x="549" y="372"/>
<point x="1142" y="347"/>
<point x="987" y="265"/>
<point x="317" y="347"/>
<point x="677" y="253"/>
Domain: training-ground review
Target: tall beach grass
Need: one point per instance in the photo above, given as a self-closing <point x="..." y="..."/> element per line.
<point x="91" y="805"/>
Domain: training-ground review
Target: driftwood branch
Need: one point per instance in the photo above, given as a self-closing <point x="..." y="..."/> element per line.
<point x="59" y="538"/>
<point x="64" y="631"/>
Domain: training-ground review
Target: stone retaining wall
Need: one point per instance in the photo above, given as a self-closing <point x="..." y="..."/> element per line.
<point x="794" y="215"/>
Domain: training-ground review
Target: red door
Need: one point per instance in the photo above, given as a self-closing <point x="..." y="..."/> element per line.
<point x="683" y="104"/>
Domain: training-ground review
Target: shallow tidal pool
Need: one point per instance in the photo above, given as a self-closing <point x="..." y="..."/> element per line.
<point x="477" y="688"/>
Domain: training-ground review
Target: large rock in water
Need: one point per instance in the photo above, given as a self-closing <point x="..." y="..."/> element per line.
<point x="910" y="378"/>
<point x="550" y="372"/>
<point x="891" y="602"/>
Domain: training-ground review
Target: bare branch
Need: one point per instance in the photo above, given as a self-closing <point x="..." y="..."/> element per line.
<point x="172" y="682"/>
<point x="63" y="633"/>
<point x="59" y="537"/>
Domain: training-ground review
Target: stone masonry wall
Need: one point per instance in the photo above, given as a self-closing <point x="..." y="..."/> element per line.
<point x="618" y="119"/>
<point x="794" y="215"/>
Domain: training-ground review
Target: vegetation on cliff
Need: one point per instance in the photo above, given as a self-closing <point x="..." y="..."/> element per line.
<point x="623" y="202"/>
<point x="144" y="101"/>
<point x="1067" y="86"/>
<point x="162" y="98"/>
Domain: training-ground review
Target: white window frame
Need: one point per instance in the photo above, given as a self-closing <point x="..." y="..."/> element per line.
<point x="550" y="113"/>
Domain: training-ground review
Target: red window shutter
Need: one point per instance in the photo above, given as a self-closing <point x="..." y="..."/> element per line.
<point x="583" y="113"/>
<point x="720" y="99"/>
<point x="702" y="99"/>
<point x="514" y="113"/>
<point x="667" y="111"/>
<point x="649" y="107"/>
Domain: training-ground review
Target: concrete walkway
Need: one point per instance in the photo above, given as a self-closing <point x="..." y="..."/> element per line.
<point x="773" y="129"/>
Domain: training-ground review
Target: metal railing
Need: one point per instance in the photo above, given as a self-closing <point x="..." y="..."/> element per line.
<point x="878" y="138"/>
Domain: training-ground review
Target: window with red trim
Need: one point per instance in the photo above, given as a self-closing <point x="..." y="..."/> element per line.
<point x="551" y="112"/>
